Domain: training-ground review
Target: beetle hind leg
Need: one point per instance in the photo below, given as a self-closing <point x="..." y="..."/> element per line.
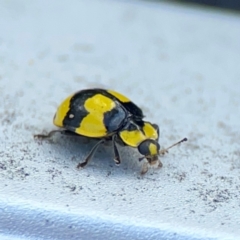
<point x="90" y="155"/>
<point x="51" y="133"/>
<point x="48" y="135"/>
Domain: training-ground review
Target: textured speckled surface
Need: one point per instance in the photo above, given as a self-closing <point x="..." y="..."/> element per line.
<point x="181" y="65"/>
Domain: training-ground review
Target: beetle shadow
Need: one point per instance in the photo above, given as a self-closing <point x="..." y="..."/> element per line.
<point x="76" y="148"/>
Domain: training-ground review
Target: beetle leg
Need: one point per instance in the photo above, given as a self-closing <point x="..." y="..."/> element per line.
<point x="90" y="155"/>
<point x="51" y="133"/>
<point x="116" y="159"/>
<point x="48" y="135"/>
<point x="159" y="164"/>
<point x="144" y="168"/>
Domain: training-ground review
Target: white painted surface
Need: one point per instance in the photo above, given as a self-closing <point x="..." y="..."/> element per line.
<point x="181" y="65"/>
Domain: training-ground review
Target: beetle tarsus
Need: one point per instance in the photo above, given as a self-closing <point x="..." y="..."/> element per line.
<point x="82" y="165"/>
<point x="144" y="168"/>
<point x="159" y="164"/>
<point x="117" y="160"/>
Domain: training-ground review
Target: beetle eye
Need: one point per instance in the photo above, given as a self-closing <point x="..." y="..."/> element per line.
<point x="149" y="147"/>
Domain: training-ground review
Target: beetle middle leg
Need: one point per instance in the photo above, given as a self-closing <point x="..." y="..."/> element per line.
<point x="90" y="155"/>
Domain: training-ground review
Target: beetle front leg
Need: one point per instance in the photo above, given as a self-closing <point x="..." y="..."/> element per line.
<point x="159" y="164"/>
<point x="144" y="168"/>
<point x="116" y="159"/>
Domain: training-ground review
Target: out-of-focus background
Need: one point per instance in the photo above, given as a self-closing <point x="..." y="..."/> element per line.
<point x="225" y="4"/>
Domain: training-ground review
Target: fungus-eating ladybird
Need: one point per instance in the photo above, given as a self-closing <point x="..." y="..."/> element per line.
<point x="108" y="115"/>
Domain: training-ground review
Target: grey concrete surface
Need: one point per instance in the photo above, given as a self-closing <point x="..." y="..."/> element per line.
<point x="180" y="64"/>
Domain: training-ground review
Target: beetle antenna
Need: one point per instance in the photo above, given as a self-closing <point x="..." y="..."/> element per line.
<point x="163" y="151"/>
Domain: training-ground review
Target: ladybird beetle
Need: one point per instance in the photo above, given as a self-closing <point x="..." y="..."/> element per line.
<point x="108" y="115"/>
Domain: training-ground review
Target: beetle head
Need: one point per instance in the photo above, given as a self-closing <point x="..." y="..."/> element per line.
<point x="150" y="150"/>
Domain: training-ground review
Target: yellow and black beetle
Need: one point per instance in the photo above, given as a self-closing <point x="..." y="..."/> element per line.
<point x="108" y="115"/>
